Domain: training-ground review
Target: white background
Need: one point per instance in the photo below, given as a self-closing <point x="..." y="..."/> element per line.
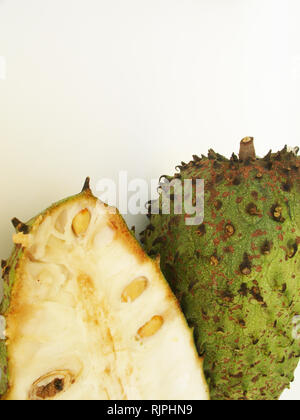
<point x="92" y="87"/>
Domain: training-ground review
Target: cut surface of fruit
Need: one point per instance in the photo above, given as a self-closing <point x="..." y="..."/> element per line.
<point x="90" y="316"/>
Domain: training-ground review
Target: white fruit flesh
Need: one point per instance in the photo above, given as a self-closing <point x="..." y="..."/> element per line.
<point x="91" y="316"/>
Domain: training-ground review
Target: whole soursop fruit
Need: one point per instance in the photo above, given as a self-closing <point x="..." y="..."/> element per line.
<point x="237" y="275"/>
<point x="89" y="315"/>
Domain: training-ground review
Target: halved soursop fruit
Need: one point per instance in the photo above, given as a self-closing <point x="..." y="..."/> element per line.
<point x="89" y="315"/>
<point x="237" y="275"/>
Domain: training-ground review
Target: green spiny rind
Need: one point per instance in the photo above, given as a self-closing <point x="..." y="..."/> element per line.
<point x="237" y="275"/>
<point x="3" y="367"/>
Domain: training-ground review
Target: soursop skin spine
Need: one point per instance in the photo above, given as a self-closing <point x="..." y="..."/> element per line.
<point x="237" y="275"/>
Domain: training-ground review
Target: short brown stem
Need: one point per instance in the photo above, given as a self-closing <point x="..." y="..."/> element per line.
<point x="247" y="150"/>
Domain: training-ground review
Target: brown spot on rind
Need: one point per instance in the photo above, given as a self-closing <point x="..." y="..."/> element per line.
<point x="286" y="186"/>
<point x="227" y="296"/>
<point x="269" y="165"/>
<point x="158" y="240"/>
<point x="237" y="376"/>
<point x="236" y="181"/>
<point x="229" y="229"/>
<point x="201" y="230"/>
<point x="252" y="209"/>
<point x="214" y="260"/>
<point x="276" y="212"/>
<point x="256" y="294"/>
<point x="243" y="291"/>
<point x="292" y="250"/>
<point x="245" y="267"/>
<point x="228" y="249"/>
<point x="218" y="204"/>
<point x="219" y="178"/>
<point x="266" y="248"/>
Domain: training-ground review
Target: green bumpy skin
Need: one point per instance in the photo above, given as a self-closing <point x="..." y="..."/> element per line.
<point x="3" y="366"/>
<point x="236" y="276"/>
<point x="8" y="274"/>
